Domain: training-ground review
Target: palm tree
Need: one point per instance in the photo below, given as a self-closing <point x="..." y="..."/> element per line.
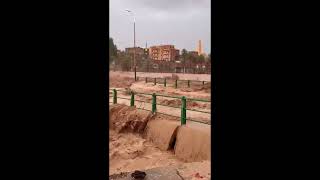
<point x="201" y="58"/>
<point x="112" y="50"/>
<point x="184" y="54"/>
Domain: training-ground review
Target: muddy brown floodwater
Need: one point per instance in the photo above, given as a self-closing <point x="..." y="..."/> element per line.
<point x="129" y="152"/>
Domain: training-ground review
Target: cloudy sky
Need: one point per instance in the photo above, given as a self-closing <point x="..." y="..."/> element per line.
<point x="178" y="22"/>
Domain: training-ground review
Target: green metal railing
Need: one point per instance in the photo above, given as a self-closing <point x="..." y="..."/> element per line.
<point x="176" y="81"/>
<point x="184" y="100"/>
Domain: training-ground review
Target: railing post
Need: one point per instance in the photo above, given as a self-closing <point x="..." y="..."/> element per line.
<point x="183" y="110"/>
<point x="202" y="83"/>
<point x="132" y="99"/>
<point x="114" y="96"/>
<point x="155" y="81"/>
<point x="165" y="82"/>
<point x="146" y="80"/>
<point x="176" y="84"/>
<point x="188" y="83"/>
<point x="154" y="103"/>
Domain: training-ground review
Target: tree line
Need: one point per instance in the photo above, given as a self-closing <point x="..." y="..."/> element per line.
<point x="120" y="60"/>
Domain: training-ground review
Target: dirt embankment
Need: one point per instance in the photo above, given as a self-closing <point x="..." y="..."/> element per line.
<point x="201" y="92"/>
<point x="128" y="119"/>
<point x="120" y="81"/>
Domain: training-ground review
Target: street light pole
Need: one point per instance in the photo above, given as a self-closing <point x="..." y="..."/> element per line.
<point x="134" y="45"/>
<point x="134" y="50"/>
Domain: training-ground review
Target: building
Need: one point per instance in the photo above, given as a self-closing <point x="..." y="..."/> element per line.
<point x="139" y="51"/>
<point x="163" y="53"/>
<point x="195" y="53"/>
<point x="177" y="54"/>
<point x="154" y="53"/>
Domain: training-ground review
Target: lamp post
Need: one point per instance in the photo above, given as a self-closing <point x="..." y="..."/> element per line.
<point x="134" y="45"/>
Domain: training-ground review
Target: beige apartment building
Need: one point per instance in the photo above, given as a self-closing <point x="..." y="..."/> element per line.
<point x="163" y="53"/>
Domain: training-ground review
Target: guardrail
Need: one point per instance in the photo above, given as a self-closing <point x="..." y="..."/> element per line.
<point x="184" y="100"/>
<point x="176" y="81"/>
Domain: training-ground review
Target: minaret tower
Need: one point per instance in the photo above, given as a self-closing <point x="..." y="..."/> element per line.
<point x="199" y="48"/>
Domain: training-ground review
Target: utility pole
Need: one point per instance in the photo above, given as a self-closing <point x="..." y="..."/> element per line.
<point x="134" y="51"/>
<point x="134" y="45"/>
<point x="147" y="56"/>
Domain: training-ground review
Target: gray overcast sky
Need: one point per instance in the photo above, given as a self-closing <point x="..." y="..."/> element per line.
<point x="178" y="22"/>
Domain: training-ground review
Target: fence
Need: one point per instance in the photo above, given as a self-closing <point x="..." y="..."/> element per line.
<point x="183" y="117"/>
<point x="176" y="81"/>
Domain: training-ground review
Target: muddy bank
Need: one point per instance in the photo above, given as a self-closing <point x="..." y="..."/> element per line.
<point x="117" y="81"/>
<point x="128" y="119"/>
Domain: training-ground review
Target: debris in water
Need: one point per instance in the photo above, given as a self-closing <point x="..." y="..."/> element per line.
<point x="197" y="175"/>
<point x="138" y="175"/>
